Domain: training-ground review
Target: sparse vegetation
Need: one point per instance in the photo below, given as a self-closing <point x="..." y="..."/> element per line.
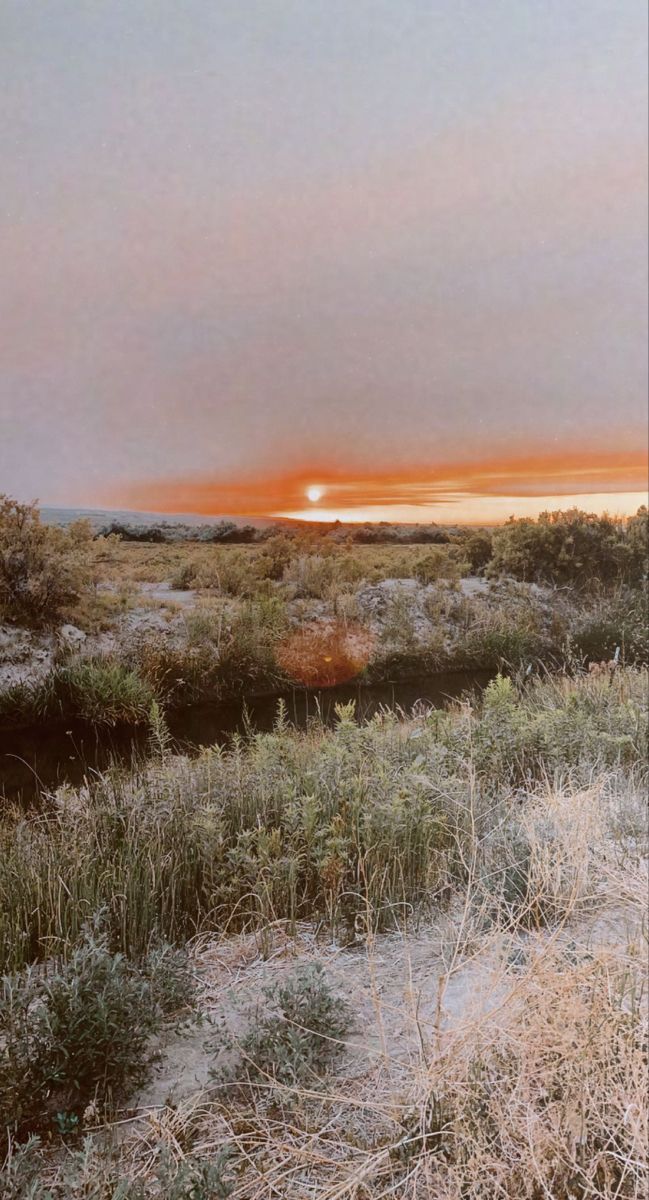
<point x="510" y="826"/>
<point x="505" y="823"/>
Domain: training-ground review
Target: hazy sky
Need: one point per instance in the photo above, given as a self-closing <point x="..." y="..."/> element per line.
<point x="380" y="245"/>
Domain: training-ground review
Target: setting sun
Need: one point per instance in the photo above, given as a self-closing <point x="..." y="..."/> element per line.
<point x="314" y="493"/>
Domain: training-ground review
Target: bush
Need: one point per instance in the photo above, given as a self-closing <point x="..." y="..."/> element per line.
<point x="637" y="532"/>
<point x="135" y="533"/>
<point x="43" y="569"/>
<point x="184" y="577"/>
<point x="205" y="625"/>
<point x="230" y="573"/>
<point x="298" y="1039"/>
<point x="78" y="1033"/>
<point x="310" y="575"/>
<point x="477" y="547"/>
<point x="276" y="555"/>
<point x="571" y="547"/>
<point x="247" y="652"/>
<point x="449" y="563"/>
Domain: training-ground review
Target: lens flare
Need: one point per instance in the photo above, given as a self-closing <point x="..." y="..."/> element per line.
<point x="325" y="655"/>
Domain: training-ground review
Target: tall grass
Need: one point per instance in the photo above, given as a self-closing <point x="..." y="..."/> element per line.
<point x="332" y="824"/>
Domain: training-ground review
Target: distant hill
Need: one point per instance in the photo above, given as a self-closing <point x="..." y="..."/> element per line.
<point x="100" y="517"/>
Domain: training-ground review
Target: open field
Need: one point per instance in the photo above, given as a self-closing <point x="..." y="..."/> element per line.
<point x="469" y="886"/>
<point x="140" y="562"/>
<point x="101" y="628"/>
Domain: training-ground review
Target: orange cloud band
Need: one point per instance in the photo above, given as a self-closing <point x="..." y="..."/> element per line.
<point x="529" y="476"/>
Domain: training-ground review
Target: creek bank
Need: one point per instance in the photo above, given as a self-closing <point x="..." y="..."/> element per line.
<point x="39" y="758"/>
<point x="214" y="650"/>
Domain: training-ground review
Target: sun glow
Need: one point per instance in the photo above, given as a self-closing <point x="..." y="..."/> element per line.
<point x="472" y="492"/>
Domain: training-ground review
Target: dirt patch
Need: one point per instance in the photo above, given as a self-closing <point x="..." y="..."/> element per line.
<point x="397" y="987"/>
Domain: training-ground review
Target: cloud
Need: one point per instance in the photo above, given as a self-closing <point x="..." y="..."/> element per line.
<point x="604" y="473"/>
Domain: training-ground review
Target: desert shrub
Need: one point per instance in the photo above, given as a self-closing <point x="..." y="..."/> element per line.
<point x="78" y="1032"/>
<point x="93" y="1173"/>
<point x="185" y="576"/>
<point x="503" y="642"/>
<point x="230" y="573"/>
<point x="309" y="576"/>
<point x="399" y="624"/>
<point x="374" y="533"/>
<point x="296" y="1038"/>
<point x="223" y="531"/>
<point x="637" y="536"/>
<point x="476" y="546"/>
<point x="348" y="569"/>
<point x="438" y="563"/>
<point x="518" y="630"/>
<point x="227" y="653"/>
<point x="277" y="553"/>
<point x="345" y="606"/>
<point x="247" y="652"/>
<point x="557" y="724"/>
<point x="205" y="625"/>
<point x="167" y="972"/>
<point x="135" y="533"/>
<point x="43" y="569"/>
<point x="571" y="547"/>
<point x="196" y="1177"/>
<point x="175" y="674"/>
<point x="321" y="576"/>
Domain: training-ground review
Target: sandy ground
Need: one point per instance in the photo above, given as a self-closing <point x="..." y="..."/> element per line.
<point x="396" y="986"/>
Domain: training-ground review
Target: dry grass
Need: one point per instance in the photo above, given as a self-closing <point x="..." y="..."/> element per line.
<point x="488" y="1062"/>
<point x="519" y="1071"/>
<point x="118" y="562"/>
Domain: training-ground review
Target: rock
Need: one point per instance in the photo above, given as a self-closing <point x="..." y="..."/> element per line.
<point x="71" y="636"/>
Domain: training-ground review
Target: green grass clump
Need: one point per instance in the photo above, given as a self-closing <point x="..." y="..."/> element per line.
<point x="103" y="691"/>
<point x="612" y="620"/>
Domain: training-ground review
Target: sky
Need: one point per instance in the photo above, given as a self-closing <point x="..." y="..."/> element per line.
<point x="391" y="255"/>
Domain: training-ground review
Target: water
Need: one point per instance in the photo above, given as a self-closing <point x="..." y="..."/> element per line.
<point x="40" y="759"/>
